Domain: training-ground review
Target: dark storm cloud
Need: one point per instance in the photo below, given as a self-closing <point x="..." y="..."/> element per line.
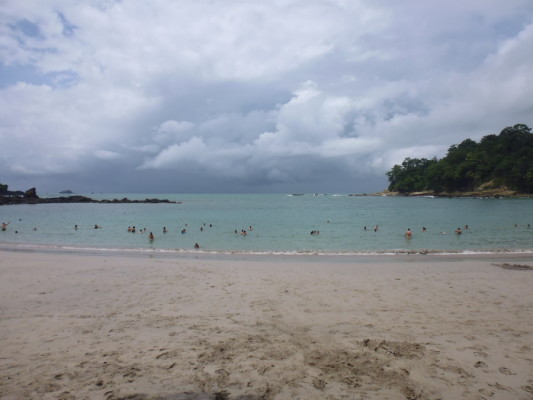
<point x="254" y="96"/>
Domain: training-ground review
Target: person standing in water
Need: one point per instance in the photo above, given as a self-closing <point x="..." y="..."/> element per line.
<point x="408" y="234"/>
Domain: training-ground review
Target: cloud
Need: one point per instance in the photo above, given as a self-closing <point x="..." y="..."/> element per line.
<point x="170" y="131"/>
<point x="314" y="128"/>
<point x="107" y="155"/>
<point x="314" y="93"/>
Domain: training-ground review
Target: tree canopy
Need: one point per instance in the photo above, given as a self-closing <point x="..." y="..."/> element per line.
<point x="504" y="160"/>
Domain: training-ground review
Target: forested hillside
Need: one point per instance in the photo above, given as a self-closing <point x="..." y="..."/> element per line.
<point x="504" y="160"/>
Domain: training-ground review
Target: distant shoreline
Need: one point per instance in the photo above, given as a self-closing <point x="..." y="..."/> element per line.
<point x="24" y="199"/>
<point x="496" y="194"/>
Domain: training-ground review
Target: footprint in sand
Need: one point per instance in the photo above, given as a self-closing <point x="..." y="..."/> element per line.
<point x="528" y="388"/>
<point x="505" y="371"/>
<point x="481" y="354"/>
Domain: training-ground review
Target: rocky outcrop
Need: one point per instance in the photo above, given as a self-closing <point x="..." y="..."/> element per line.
<point x="31" y="197"/>
<point x="31" y="194"/>
<point x="497" y="193"/>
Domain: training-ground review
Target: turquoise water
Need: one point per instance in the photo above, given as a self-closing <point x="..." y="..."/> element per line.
<point x="281" y="224"/>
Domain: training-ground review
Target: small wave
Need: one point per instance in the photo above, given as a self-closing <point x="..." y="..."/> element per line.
<point x="317" y="253"/>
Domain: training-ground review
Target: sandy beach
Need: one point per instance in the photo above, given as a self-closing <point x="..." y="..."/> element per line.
<point x="80" y="326"/>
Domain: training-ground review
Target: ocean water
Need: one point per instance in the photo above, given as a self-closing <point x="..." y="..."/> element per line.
<point x="281" y="224"/>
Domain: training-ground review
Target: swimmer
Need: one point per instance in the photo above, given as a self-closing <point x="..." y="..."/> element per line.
<point x="424" y="229"/>
<point x="376" y="228"/>
<point x="466" y="227"/>
<point x="151" y="237"/>
<point x="164" y="229"/>
<point x="408" y="234"/>
<point x="183" y="231"/>
<point x="458" y="231"/>
<point x="4" y="225"/>
<point x="76" y="227"/>
<point x="97" y="227"/>
<point x="196" y="246"/>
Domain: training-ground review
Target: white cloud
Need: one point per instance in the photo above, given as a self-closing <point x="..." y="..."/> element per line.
<point x="172" y="131"/>
<point x="311" y="124"/>
<point x="263" y="91"/>
<point x="107" y="155"/>
<point x="176" y="154"/>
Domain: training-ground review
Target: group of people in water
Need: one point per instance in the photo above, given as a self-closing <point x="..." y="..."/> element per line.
<point x="243" y="232"/>
<point x="409" y="234"/>
<point x="151" y="235"/>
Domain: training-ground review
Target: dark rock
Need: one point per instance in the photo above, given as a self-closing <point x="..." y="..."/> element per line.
<point x="30" y="197"/>
<point x="31" y="194"/>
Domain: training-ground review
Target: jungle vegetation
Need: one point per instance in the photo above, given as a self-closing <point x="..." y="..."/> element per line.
<point x="496" y="161"/>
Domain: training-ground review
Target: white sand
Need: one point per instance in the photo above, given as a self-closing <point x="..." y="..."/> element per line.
<point x="78" y="326"/>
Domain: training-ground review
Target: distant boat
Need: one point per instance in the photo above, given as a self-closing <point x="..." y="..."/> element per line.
<point x="66" y="192"/>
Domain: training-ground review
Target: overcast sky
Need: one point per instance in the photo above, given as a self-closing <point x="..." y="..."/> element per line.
<point x="205" y="96"/>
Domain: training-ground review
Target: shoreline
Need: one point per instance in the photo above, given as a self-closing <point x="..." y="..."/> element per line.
<point x="101" y="326"/>
<point x="305" y="256"/>
<point x="476" y="194"/>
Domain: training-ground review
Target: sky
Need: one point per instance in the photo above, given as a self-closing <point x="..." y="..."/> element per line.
<point x="251" y="96"/>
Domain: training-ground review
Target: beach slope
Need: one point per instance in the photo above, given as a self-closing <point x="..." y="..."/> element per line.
<point x="77" y="326"/>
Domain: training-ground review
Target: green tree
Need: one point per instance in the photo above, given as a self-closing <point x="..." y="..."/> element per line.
<point x="505" y="160"/>
<point x="410" y="176"/>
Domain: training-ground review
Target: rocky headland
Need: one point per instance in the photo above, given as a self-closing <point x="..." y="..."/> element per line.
<point x="496" y="193"/>
<point x="30" y="197"/>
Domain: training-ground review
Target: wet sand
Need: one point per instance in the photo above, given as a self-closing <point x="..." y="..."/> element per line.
<point x="75" y="326"/>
